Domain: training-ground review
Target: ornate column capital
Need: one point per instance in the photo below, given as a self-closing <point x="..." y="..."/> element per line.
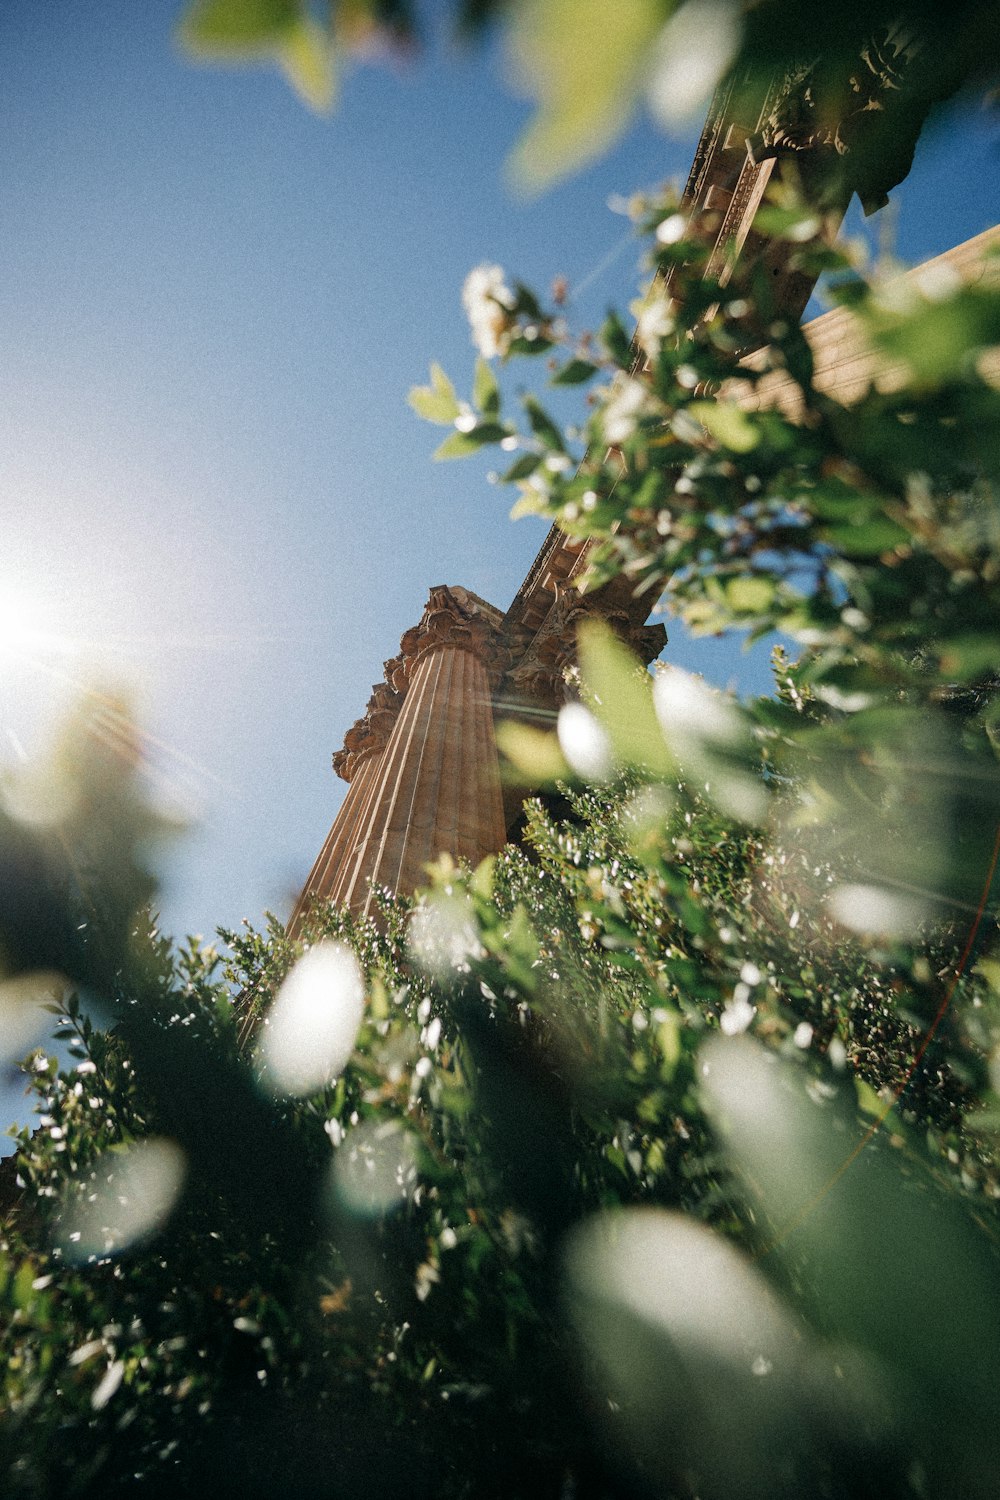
<point x="369" y="735"/>
<point x="453" y="618"/>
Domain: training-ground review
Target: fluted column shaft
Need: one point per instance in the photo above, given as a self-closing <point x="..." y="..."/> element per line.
<point x="436" y="789"/>
<point x="326" y="878"/>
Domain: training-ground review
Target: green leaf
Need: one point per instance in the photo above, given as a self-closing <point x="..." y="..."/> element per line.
<point x="23" y="1291"/>
<point x="458" y="445"/>
<point x="239" y="28"/>
<point x="872" y="537"/>
<point x="440" y="381"/>
<point x="938" y="338"/>
<point x="728" y="424"/>
<point x="308" y="61"/>
<point x="461" y="444"/>
<point x="542" y="425"/>
<point x="529" y="347"/>
<point x="436" y="402"/>
<point x="616" y="341"/>
<point x="968" y="656"/>
<point x="532" y="502"/>
<point x="834" y="500"/>
<point x="574" y="373"/>
<point x="485" y="392"/>
<point x="528" y="303"/>
<point x="533" y="755"/>
<point x="585" y="66"/>
<point x="620" y="691"/>
<point x="521" y="468"/>
<point x="750" y="596"/>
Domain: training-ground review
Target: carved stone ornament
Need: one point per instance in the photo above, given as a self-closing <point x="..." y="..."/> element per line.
<point x="543" y="674"/>
<point x="533" y="683"/>
<point x="869" y="110"/>
<point x="453" y="618"/>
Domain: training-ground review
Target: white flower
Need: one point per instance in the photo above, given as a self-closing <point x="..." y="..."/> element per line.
<point x="584" y="742"/>
<point x="623" y="410"/>
<point x="488" y="303"/>
<point x="654" y="322"/>
<point x="738" y="1014"/>
<point x="671" y="230"/>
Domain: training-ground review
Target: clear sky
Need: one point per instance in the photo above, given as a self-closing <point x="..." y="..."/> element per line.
<point x="213" y="304"/>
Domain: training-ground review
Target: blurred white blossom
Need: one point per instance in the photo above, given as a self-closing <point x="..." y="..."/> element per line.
<point x="309" y="1033"/>
<point x="694" y="50"/>
<point x="489" y="303"/>
<point x="136" y="1191"/>
<point x="654" y="320"/>
<point x="584" y="742"/>
<point x="624" y="410"/>
<point x="443" y="935"/>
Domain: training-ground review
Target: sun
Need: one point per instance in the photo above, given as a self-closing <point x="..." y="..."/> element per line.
<point x="26" y="625"/>
<point x="40" y="669"/>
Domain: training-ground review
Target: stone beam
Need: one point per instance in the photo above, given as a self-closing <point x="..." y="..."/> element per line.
<point x="844" y="366"/>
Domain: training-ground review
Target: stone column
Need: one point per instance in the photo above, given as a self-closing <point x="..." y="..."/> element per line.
<point x="435" y="787"/>
<point x="358" y="763"/>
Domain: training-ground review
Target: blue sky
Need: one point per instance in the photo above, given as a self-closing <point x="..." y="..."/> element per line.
<point x="213" y="305"/>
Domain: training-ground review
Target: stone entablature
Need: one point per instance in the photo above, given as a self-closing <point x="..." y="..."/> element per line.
<point x="540" y="677"/>
<point x="844" y="366"/>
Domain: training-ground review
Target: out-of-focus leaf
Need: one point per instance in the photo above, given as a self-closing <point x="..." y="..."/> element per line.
<point x="436" y="402"/>
<point x="709" y="735"/>
<point x="543" y="426"/>
<point x="521" y="468"/>
<point x="308" y="61"/>
<point x="531" y="502"/>
<point x="727" y="423"/>
<point x="621" y="693"/>
<point x="534" y="754"/>
<point x="239" y="28"/>
<point x="938" y="335"/>
<point x="868" y="539"/>
<point x="485" y="391"/>
<point x="284" y="32"/>
<point x="616" y="340"/>
<point x="585" y="70"/>
<point x="934" y="800"/>
<point x="750" y="596"/>
<point x="969" y="655"/>
<point x="574" y="372"/>
<point x="926" y="1305"/>
<point x="692" y="1340"/>
<point x="461" y="444"/>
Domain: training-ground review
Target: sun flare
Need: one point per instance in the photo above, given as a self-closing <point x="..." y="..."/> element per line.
<point x="23" y="625"/>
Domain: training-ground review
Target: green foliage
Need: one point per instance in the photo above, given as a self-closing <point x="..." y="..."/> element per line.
<point x="865" y="532"/>
<point x="439" y="1268"/>
<point x="660" y="1158"/>
<point x="588" y="71"/>
<point x="284" y="32"/>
